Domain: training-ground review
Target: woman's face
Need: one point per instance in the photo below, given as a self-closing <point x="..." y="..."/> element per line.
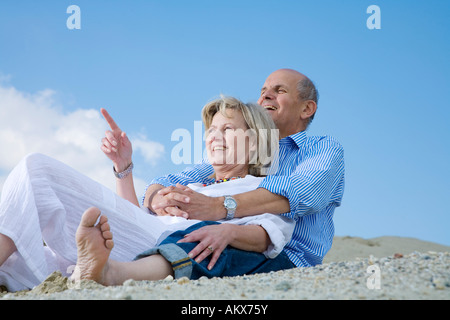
<point x="227" y="140"/>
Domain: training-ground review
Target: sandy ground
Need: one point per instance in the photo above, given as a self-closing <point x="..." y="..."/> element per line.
<point x="349" y="248"/>
<point x="355" y="268"/>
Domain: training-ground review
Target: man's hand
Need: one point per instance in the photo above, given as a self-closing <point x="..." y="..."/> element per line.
<point x="182" y="201"/>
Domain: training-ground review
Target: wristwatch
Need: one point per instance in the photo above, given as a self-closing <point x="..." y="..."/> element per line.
<point x="230" y="205"/>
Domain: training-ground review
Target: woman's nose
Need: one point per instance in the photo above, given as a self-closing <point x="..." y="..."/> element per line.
<point x="216" y="135"/>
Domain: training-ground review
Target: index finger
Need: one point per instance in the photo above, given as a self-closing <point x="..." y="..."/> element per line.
<point x="113" y="125"/>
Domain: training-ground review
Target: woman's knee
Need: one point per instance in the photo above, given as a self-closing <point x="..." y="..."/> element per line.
<point x="35" y="157"/>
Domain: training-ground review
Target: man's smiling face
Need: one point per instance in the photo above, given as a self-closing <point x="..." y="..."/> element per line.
<point x="280" y="97"/>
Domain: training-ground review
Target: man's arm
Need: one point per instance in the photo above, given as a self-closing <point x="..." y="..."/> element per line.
<point x="249" y="204"/>
<point x="317" y="181"/>
<point x="182" y="201"/>
<point x="260" y="201"/>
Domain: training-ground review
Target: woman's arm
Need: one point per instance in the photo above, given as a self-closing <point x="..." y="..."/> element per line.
<point x="249" y="238"/>
<point x="117" y="147"/>
<point x="218" y="237"/>
<point x="150" y="194"/>
<point x="125" y="188"/>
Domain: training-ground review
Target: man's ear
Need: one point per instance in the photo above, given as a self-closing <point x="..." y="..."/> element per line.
<point x="309" y="108"/>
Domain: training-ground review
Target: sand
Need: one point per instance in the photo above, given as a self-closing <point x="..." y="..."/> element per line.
<point x="355" y="268"/>
<point x="349" y="248"/>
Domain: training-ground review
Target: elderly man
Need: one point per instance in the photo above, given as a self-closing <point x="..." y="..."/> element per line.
<point x="307" y="186"/>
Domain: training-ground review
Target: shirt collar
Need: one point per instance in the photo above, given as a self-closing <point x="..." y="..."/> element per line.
<point x="298" y="139"/>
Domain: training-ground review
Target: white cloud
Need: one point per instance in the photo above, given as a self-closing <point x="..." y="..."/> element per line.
<point x="150" y="150"/>
<point x="36" y="123"/>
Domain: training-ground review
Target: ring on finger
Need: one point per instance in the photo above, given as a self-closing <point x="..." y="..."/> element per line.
<point x="210" y="249"/>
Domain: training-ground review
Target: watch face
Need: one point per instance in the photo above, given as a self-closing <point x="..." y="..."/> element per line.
<point x="230" y="203"/>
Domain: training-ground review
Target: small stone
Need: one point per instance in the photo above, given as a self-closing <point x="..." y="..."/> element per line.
<point x="122" y="296"/>
<point x="129" y="283"/>
<point x="183" y="280"/>
<point x="438" y="284"/>
<point x="168" y="278"/>
<point x="283" y="286"/>
<point x="372" y="260"/>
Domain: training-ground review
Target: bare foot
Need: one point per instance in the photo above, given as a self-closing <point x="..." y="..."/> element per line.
<point x="94" y="244"/>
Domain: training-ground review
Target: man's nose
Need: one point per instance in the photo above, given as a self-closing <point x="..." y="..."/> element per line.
<point x="267" y="95"/>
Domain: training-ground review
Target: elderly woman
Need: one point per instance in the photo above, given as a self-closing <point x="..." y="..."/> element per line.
<point x="233" y="130"/>
<point x="43" y="201"/>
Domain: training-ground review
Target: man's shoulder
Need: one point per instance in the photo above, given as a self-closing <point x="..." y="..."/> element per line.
<point x="325" y="141"/>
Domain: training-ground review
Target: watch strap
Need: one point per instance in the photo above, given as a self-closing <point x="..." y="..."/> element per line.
<point x="230" y="210"/>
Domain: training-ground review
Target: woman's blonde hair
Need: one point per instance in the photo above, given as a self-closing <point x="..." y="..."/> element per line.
<point x="259" y="123"/>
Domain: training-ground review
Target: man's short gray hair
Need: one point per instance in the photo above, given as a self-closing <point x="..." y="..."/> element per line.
<point x="308" y="91"/>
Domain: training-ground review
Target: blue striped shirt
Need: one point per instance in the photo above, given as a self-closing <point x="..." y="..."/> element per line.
<point x="310" y="174"/>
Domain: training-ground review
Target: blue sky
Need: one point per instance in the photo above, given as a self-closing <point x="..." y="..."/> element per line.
<point x="154" y="64"/>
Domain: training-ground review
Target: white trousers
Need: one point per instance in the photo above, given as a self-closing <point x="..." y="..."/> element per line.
<point x="42" y="202"/>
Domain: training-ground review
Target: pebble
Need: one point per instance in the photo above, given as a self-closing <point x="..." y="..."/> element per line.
<point x="283" y="285"/>
<point x="414" y="276"/>
<point x="183" y="280"/>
